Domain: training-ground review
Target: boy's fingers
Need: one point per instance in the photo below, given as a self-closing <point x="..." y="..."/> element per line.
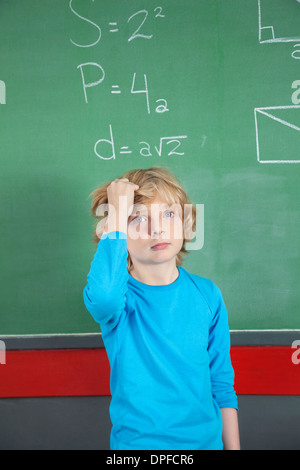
<point x="136" y="186"/>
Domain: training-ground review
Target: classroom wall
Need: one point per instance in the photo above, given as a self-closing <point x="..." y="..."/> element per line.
<point x="66" y="406"/>
<point x="266" y="423"/>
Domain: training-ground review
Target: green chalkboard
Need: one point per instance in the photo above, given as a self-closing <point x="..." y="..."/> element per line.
<point x="92" y="89"/>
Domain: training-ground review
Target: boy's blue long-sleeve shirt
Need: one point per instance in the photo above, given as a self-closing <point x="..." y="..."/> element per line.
<point x="169" y="352"/>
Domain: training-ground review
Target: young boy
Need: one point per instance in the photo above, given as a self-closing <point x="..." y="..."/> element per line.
<point x="165" y="330"/>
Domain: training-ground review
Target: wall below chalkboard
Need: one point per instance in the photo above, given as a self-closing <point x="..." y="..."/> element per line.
<point x="61" y="421"/>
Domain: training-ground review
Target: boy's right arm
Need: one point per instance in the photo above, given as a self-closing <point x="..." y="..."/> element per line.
<point x="105" y="292"/>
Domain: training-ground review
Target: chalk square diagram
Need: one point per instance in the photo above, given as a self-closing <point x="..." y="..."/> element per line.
<point x="278" y="134"/>
<point x="279" y="22"/>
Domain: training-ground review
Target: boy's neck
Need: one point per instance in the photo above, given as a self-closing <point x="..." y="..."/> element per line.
<point x="155" y="275"/>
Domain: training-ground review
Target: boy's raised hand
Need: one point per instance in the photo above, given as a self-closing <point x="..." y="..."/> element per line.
<point x="121" y="187"/>
<point x="119" y="219"/>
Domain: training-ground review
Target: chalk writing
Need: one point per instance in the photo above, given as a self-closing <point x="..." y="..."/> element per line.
<point x="169" y="146"/>
<point x="139" y="20"/>
<point x="90" y="84"/>
<point x="116" y="90"/>
<point x="93" y="76"/>
<point x="94" y="25"/>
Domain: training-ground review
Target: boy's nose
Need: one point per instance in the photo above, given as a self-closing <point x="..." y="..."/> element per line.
<point x="157" y="232"/>
<point x="158" y="224"/>
<point x="156" y="227"/>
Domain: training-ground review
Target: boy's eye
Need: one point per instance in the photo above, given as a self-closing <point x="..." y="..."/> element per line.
<point x="139" y="217"/>
<point x="171" y="212"/>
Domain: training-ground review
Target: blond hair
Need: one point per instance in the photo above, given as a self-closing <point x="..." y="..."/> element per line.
<point x="152" y="181"/>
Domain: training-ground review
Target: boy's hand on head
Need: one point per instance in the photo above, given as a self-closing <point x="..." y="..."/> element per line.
<point x="122" y="187"/>
<point x="118" y="218"/>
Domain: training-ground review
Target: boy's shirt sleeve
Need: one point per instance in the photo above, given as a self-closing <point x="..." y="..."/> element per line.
<point x="105" y="293"/>
<point x="222" y="373"/>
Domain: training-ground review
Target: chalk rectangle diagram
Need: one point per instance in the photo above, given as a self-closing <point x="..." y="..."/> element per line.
<point x="279" y="21"/>
<point x="278" y="134"/>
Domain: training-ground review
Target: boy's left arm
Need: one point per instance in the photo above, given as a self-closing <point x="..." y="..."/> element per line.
<point x="222" y="373"/>
<point x="231" y="435"/>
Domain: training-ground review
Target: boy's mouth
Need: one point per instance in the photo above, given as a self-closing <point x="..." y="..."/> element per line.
<point x="160" y="246"/>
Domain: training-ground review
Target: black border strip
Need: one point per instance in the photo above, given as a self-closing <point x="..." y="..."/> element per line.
<point x="95" y="341"/>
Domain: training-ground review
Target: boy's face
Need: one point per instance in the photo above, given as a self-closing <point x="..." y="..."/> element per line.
<point x="151" y="224"/>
